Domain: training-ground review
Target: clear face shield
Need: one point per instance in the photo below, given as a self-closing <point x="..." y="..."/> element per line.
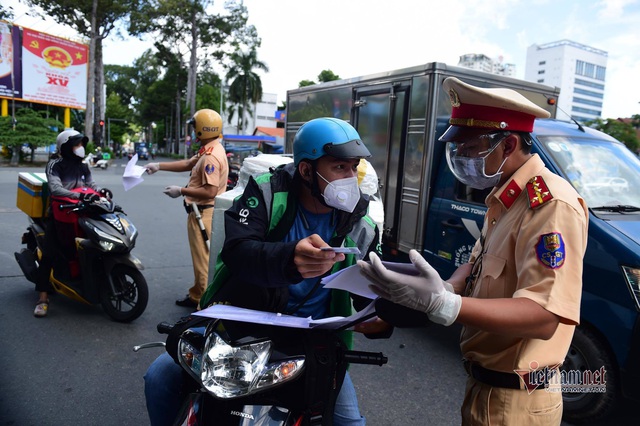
<point x="467" y="160"/>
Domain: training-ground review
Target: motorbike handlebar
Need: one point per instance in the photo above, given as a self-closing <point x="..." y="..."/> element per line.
<point x="359" y="357"/>
<point x="165" y="327"/>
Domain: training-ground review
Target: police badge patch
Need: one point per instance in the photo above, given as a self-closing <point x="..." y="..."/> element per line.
<point x="550" y="250"/>
<point x="208" y="169"/>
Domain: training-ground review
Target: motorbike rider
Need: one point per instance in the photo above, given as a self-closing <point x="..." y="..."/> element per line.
<point x="99" y="156"/>
<point x="65" y="171"/>
<point x="272" y="258"/>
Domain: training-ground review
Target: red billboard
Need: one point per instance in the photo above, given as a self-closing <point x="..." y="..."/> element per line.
<point x="46" y="69"/>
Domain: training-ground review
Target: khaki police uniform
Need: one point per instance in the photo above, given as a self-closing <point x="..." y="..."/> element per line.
<point x="534" y="238"/>
<point x="533" y="241"/>
<point x="211" y="169"/>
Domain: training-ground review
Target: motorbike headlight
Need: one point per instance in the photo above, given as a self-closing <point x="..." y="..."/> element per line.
<point x="190" y="358"/>
<point x="229" y="372"/>
<point x="632" y="276"/>
<point x="107" y="242"/>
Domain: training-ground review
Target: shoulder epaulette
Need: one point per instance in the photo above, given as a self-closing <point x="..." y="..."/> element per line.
<point x="538" y="192"/>
<point x="205" y="150"/>
<point x="510" y="193"/>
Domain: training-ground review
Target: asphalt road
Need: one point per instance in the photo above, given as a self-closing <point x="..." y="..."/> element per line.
<point x="77" y="367"/>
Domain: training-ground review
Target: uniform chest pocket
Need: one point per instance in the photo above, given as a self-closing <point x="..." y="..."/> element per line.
<point x="493" y="277"/>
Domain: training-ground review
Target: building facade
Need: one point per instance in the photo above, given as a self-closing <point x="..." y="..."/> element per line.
<point x="482" y="62"/>
<point x="263" y="115"/>
<point x="578" y="70"/>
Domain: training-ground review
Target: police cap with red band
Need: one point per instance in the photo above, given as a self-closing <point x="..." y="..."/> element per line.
<point x="495" y="109"/>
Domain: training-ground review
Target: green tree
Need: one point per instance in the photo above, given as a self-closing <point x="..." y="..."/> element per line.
<point x="323" y="77"/>
<point x="95" y="20"/>
<point x="246" y="85"/>
<point x="160" y="82"/>
<point x="624" y="132"/>
<point x="121" y="80"/>
<point x="305" y="83"/>
<point x="209" y="88"/>
<point x="194" y="35"/>
<point x="327" y="75"/>
<point x="31" y="127"/>
<point x="6" y="13"/>
<point x="118" y="117"/>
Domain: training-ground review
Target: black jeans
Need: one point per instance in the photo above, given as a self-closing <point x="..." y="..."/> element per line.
<point x="48" y="250"/>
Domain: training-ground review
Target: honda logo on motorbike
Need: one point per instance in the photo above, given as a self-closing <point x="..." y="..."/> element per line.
<point x="241" y="414"/>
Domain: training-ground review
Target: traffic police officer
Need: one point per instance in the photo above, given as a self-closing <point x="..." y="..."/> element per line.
<point x="209" y="172"/>
<point x="518" y="298"/>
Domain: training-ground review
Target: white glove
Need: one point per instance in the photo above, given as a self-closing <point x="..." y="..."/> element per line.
<point x="426" y="292"/>
<point x="152" y="167"/>
<point x="173" y="191"/>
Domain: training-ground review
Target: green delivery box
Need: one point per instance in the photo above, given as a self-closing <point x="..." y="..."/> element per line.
<point x="33" y="196"/>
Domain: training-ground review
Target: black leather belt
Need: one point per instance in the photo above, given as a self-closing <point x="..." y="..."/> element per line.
<point x="500" y="379"/>
<point x="189" y="209"/>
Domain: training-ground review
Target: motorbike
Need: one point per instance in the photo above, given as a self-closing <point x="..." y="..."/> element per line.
<point x="92" y="161"/>
<point x="232" y="179"/>
<point x="94" y="264"/>
<point x="247" y="373"/>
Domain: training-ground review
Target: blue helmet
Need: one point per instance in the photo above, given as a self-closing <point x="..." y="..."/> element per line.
<point x="327" y="136"/>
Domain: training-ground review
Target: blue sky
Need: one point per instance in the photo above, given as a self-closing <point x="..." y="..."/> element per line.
<point x="358" y="37"/>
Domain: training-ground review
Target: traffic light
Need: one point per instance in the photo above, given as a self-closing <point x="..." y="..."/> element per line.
<point x="101" y="122"/>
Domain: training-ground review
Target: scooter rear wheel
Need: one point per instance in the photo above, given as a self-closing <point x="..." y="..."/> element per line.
<point x="131" y="294"/>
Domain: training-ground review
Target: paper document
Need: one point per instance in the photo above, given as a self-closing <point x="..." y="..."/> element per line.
<point x="132" y="173"/>
<point x="351" y="280"/>
<point x="269" y="318"/>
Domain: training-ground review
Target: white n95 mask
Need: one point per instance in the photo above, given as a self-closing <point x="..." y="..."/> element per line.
<point x="79" y="151"/>
<point x="342" y="194"/>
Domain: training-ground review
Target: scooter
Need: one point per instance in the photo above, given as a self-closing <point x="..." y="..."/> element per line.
<point x="91" y="161"/>
<point x="94" y="264"/>
<point x="232" y="179"/>
<point x="246" y="373"/>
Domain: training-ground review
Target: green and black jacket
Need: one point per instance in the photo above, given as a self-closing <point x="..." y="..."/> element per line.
<point x="255" y="268"/>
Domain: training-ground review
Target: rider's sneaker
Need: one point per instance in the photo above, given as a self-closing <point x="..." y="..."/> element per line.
<point x="41" y="309"/>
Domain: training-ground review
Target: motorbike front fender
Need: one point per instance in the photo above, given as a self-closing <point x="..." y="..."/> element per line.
<point x="200" y="409"/>
<point x="128" y="259"/>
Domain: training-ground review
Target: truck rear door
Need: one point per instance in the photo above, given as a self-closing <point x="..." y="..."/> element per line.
<point x="380" y="116"/>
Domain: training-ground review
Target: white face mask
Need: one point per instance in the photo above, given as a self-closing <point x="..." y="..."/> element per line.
<point x="342" y="194"/>
<point x="471" y="170"/>
<point x="79" y="151"/>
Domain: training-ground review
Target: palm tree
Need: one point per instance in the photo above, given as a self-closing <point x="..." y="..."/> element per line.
<point x="246" y="86"/>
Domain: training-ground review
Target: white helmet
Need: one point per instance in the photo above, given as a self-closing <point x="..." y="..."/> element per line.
<point x="67" y="135"/>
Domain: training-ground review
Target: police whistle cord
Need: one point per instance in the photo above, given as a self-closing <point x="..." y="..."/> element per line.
<point x="203" y="231"/>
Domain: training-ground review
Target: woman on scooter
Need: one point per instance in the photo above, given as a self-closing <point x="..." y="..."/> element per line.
<point x="65" y="171"/>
